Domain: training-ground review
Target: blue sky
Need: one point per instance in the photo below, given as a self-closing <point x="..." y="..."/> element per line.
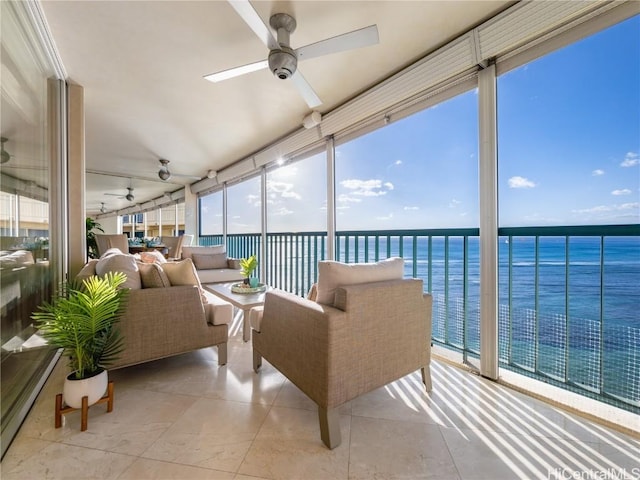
<point x="569" y="145"/>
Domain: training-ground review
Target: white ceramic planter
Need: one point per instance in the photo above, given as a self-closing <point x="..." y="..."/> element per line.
<point x="93" y="387"/>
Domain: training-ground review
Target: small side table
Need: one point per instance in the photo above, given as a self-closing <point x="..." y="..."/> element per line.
<point x="60" y="410"/>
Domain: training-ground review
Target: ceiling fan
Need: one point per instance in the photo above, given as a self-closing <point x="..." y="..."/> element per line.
<point x="164" y="174"/>
<point x="102" y="208"/>
<point x="282" y="59"/>
<point x="129" y="196"/>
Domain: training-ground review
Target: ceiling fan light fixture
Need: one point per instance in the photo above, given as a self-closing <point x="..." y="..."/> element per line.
<point x="212" y="174"/>
<point x="283" y="62"/>
<point x="164" y="174"/>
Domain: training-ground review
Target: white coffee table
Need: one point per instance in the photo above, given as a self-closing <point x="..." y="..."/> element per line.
<point x="243" y="301"/>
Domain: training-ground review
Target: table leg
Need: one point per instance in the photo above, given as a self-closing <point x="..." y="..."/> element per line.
<point x="246" y="328"/>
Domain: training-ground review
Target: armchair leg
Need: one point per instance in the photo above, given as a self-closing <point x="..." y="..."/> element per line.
<point x="257" y="360"/>
<point x="426" y="377"/>
<point x="222" y="353"/>
<point x="329" y="427"/>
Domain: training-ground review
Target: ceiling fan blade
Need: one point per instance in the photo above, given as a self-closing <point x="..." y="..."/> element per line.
<point x="305" y="90"/>
<point x="237" y="71"/>
<point x="358" y="38"/>
<point x="251" y="18"/>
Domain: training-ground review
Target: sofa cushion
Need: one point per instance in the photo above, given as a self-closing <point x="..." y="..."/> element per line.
<point x="187" y="252"/>
<point x="120" y="262"/>
<point x="332" y="275"/>
<point x="153" y="275"/>
<point x="209" y="261"/>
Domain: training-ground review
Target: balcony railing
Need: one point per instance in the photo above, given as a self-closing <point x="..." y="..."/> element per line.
<point x="568" y="296"/>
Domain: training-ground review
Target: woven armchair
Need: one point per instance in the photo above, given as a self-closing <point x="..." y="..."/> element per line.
<point x="373" y="334"/>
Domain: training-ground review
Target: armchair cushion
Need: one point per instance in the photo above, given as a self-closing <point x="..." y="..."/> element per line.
<point x="332" y="275"/>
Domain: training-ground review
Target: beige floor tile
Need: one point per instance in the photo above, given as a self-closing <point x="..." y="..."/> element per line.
<point x="145" y="469"/>
<point x="403" y="400"/>
<point x="187" y="417"/>
<point x="292" y="397"/>
<point x="288" y="446"/>
<point x="392" y="449"/>
<point x="213" y="434"/>
<point x="67" y="461"/>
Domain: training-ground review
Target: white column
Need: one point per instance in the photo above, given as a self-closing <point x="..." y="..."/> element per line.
<point x="263" y="247"/>
<point x="224" y="215"/>
<point x="488" y="188"/>
<point x="331" y="197"/>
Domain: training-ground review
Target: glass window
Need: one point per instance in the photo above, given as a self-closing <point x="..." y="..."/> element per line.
<point x="25" y="273"/>
<point x="419" y="172"/>
<point x="297" y="196"/>
<point x="211" y="214"/>
<point x="569" y="155"/>
<point x="244" y="207"/>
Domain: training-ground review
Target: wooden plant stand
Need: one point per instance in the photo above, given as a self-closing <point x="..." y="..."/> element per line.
<point x="60" y="410"/>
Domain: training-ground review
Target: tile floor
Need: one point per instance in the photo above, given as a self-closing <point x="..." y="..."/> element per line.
<point x="187" y="418"/>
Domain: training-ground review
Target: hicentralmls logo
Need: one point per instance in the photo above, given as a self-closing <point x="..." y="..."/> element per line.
<point x="605" y="474"/>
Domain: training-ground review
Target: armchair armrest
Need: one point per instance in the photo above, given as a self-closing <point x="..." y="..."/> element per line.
<point x="297" y="337"/>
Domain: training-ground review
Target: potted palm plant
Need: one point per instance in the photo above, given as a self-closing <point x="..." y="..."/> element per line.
<point x="92" y="246"/>
<point x="82" y="320"/>
<point x="247" y="267"/>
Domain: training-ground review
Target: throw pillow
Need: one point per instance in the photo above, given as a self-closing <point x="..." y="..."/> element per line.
<point x="152" y="257"/>
<point x="88" y="271"/>
<point x="112" y="251"/>
<point x="153" y="276"/>
<point x="187" y="252"/>
<point x="184" y="273"/>
<point x="332" y="275"/>
<point x="209" y="261"/>
<point x="119" y="262"/>
<point x="313" y="293"/>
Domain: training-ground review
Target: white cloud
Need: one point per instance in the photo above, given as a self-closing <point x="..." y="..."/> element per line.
<point x="520" y="182"/>
<point x="367" y="188"/>
<point x="597" y="172"/>
<point x="630" y="159"/>
<point x="398" y="162"/>
<point x="282" y="211"/>
<point x="610" y="208"/>
<point x="454" y="203"/>
<point x="411" y="208"/>
<point x="344" y="198"/>
<point x="283" y="189"/>
<point x="622" y="191"/>
<point x="385" y="217"/>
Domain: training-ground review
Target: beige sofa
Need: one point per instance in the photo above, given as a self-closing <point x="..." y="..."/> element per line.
<point x="213" y="265"/>
<point x="168" y="320"/>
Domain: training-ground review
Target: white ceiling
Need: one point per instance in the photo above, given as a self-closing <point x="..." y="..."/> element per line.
<point x="141" y="66"/>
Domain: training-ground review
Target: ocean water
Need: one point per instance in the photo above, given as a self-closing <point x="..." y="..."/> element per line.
<point x="568" y="311"/>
